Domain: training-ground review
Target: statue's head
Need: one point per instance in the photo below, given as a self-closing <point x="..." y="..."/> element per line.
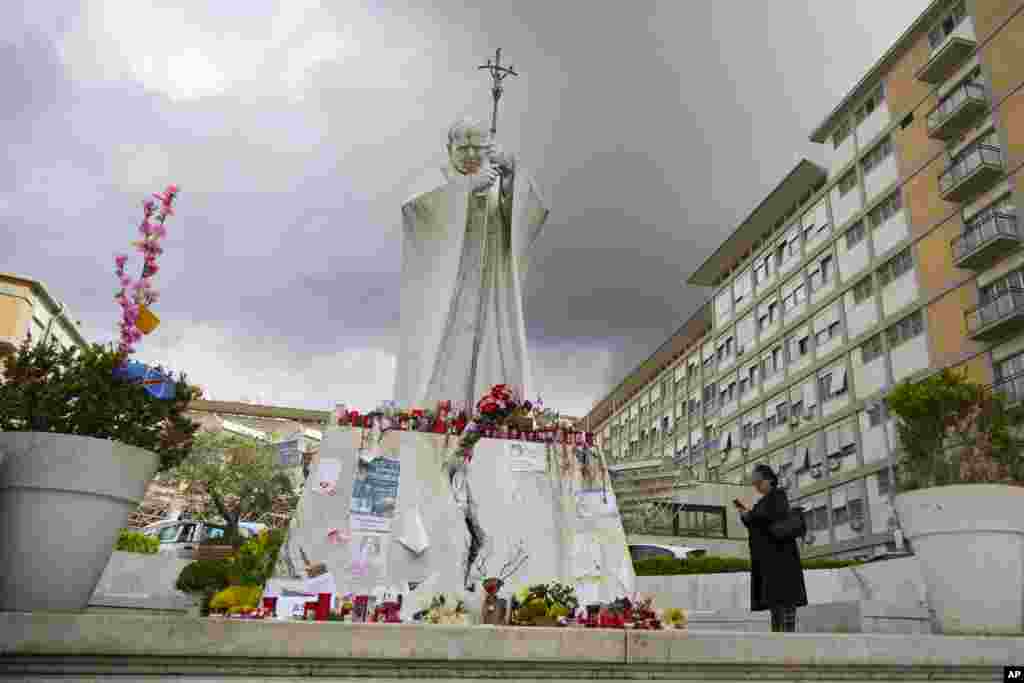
<point x="469" y="145"/>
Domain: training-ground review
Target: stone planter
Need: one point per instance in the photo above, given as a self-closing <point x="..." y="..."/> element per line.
<point x="63" y="500"/>
<point x="969" y="540"/>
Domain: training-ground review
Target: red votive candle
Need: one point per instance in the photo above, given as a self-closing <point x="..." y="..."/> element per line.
<point x="270" y="604"/>
<point x="323" y="606"/>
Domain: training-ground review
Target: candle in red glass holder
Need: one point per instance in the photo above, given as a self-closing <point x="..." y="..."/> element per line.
<point x="353" y="418"/>
<point x="270" y="604"/>
<point x="323" y="606"/>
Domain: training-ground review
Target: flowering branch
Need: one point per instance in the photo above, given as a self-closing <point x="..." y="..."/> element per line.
<point x="137" y="293"/>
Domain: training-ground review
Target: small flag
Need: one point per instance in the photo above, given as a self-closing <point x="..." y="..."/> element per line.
<point x="158" y="384"/>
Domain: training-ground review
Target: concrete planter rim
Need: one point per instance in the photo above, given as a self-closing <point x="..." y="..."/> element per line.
<point x="66" y="497"/>
<point x="957" y="532"/>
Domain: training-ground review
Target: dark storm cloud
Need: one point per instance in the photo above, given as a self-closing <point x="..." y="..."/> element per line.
<point x="652" y="127"/>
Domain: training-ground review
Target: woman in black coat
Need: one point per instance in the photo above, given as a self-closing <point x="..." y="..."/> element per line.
<point x="776" y="577"/>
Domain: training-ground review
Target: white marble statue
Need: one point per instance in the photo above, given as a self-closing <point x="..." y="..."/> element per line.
<point x="464" y="258"/>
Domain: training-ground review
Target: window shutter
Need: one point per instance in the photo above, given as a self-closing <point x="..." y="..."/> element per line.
<point x="838" y="380"/>
<point x="745" y="333"/>
<point x="809" y="394"/>
<point x="838" y="498"/>
<point x="846" y="437"/>
<point x="832" y="441"/>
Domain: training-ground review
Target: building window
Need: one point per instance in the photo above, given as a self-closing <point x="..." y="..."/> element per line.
<point x="876" y="413"/>
<point x="855" y="235"/>
<point x="885" y="481"/>
<point x="871" y="104"/>
<point x="762" y="269"/>
<point x="862" y="290"/>
<point x="840" y="515"/>
<point x="877" y="155"/>
<point x="840" y="135"/>
<point x="897" y="266"/>
<point x="847" y="183"/>
<point x="885" y="209"/>
<point x="906" y="329"/>
<point x="945" y="28"/>
<point x="871" y="349"/>
<point x="993" y="290"/>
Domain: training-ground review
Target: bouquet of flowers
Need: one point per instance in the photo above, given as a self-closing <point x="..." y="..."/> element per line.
<point x="444" y="609"/>
<point x="492" y="410"/>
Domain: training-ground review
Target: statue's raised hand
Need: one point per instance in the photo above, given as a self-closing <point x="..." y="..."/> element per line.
<point x="484" y="180"/>
<point x="505" y="161"/>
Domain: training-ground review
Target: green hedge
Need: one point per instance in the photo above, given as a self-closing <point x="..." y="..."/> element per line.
<point x="135" y="542"/>
<point x="709" y="564"/>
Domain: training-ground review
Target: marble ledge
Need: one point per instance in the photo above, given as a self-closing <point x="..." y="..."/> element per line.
<point x="115" y="635"/>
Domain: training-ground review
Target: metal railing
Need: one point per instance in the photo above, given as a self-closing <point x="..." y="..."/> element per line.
<point x="1012" y="388"/>
<point x="967" y="162"/>
<point x="952" y="102"/>
<point x="991" y="225"/>
<point x="1005" y="304"/>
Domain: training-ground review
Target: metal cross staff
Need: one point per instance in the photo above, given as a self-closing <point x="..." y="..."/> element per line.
<point x="498" y="74"/>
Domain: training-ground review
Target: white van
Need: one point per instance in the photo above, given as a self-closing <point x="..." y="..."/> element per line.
<point x="179" y="537"/>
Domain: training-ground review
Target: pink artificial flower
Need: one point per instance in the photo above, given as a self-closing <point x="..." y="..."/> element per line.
<point x="120" y="260"/>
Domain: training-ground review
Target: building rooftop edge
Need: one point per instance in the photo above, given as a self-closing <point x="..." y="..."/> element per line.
<point x="802" y="177"/>
<point x="820" y="133"/>
<point x="695" y="327"/>
<point x="55" y="305"/>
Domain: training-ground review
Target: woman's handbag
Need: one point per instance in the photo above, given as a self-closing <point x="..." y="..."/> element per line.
<point x="794" y="526"/>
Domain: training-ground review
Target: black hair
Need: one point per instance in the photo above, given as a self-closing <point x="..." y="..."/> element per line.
<point x="767" y="473"/>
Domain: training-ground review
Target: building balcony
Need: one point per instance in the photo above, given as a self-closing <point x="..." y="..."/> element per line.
<point x="957" y="112"/>
<point x="974" y="171"/>
<point x="985" y="241"/>
<point x="945" y="59"/>
<point x="1001" y="317"/>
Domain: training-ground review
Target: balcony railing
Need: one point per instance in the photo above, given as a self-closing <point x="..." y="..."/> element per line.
<point x="1012" y="388"/>
<point x="957" y="111"/>
<point x="971" y="172"/>
<point x="946" y="57"/>
<point x="985" y="241"/>
<point x="1004" y="313"/>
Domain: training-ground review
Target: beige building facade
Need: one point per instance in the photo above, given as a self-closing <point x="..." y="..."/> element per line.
<point x="27" y="307"/>
<point x="901" y="255"/>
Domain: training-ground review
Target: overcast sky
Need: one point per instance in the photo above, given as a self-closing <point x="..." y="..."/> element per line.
<point x="296" y="129"/>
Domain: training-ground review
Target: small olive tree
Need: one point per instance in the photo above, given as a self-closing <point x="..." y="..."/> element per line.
<point x="955" y="431"/>
<point x="239" y="476"/>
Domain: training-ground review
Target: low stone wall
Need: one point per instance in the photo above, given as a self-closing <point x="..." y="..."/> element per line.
<point x="103" y="647"/>
<point x="895" y="582"/>
<point x="139" y="581"/>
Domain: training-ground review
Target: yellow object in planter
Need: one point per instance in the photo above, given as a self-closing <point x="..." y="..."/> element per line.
<point x="234" y="597"/>
<point x="147" y="321"/>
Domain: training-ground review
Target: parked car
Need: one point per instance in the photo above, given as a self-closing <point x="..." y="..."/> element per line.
<point x="649" y="550"/>
<point x="179" y="537"/>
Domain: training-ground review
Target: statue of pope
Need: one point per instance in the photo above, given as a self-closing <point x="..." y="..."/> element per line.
<point x="464" y="259"/>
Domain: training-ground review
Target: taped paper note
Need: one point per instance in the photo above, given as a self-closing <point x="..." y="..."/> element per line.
<point x="414" y="534"/>
<point x="526" y="456"/>
<point x="328" y="472"/>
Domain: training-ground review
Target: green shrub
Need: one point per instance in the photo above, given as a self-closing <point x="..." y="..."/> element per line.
<point x="204" y="576"/>
<point x="710" y="564"/>
<point x="135" y="542"/>
<point x="44" y="388"/>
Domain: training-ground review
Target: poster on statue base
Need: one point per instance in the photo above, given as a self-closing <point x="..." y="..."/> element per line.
<point x="374" y="495"/>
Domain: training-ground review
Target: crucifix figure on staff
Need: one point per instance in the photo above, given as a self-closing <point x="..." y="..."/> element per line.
<point x="466" y="235"/>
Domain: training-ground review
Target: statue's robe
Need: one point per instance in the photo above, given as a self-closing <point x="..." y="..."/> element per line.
<point x="464" y="261"/>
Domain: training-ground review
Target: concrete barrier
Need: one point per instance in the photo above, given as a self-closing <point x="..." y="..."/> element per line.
<point x="141" y="582"/>
<point x="103" y="647"/>
<point x="895" y="582"/>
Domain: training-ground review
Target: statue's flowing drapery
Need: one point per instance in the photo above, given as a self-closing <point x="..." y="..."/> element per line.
<point x="464" y="260"/>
